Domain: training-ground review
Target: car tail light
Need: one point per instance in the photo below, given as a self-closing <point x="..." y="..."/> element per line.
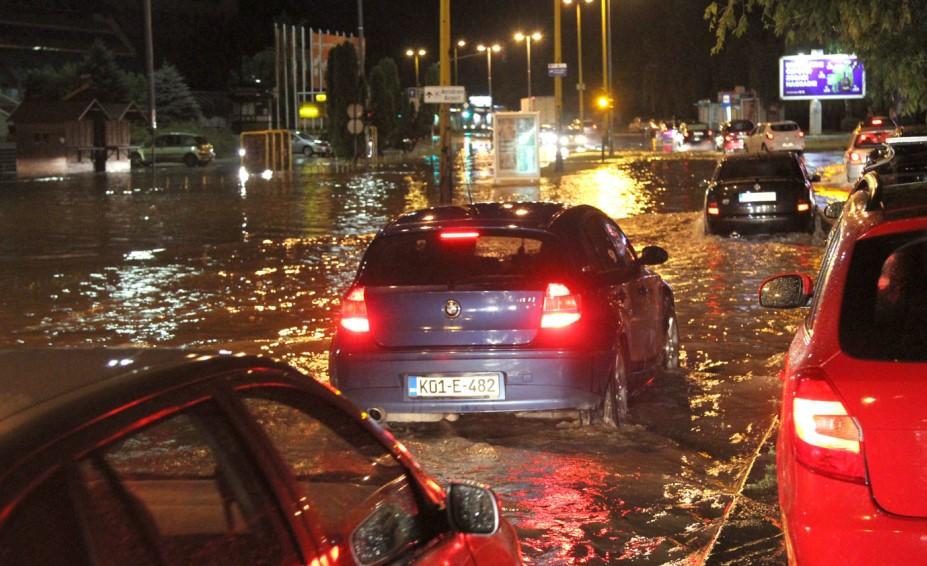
<point x="827" y="438"/>
<point x="801" y="134"/>
<point x="876" y="122"/>
<point x="769" y="135"/>
<point x="561" y="307"/>
<point x="855" y="157"/>
<point x="354" y="311"/>
<point x="803" y="206"/>
<point x="467" y="235"/>
<point x="713" y="209"/>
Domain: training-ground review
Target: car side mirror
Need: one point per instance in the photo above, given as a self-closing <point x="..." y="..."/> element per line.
<point x="786" y="291"/>
<point x="472" y="509"/>
<point x="653" y="255"/>
<point x="816" y="178"/>
<point x="833" y="210"/>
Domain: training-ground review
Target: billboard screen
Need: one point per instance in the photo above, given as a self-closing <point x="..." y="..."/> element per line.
<point x="825" y="77"/>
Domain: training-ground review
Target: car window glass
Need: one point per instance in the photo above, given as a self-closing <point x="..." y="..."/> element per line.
<point x="827" y="265"/>
<point x="624" y="251"/>
<point x="355" y="488"/>
<point x="183" y="489"/>
<point x="599" y="247"/>
<point x="163" y="141"/>
<point x="787" y="127"/>
<point x="777" y="167"/>
<point x="42" y="530"/>
<point x="187" y="140"/>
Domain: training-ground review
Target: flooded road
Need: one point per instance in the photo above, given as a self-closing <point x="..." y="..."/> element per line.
<point x="198" y="259"/>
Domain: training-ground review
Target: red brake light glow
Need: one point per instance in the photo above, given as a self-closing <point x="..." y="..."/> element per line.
<point x="803" y="206"/>
<point x="801" y="134"/>
<point x="854" y="156"/>
<point x="769" y="135"/>
<point x="877" y="122"/>
<point x="471" y="235"/>
<point x="561" y="307"/>
<point x="713" y="209"/>
<point x="827" y="438"/>
<point x="354" y="311"/>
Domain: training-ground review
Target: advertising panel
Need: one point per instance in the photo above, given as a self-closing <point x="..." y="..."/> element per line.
<point x="515" y="147"/>
<point x="824" y="77"/>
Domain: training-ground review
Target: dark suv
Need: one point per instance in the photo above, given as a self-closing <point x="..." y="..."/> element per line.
<point x="502" y="307"/>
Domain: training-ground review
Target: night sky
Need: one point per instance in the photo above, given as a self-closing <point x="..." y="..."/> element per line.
<point x="660" y="49"/>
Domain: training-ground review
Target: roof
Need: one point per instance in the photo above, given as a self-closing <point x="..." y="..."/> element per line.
<point x="537" y="215"/>
<point x="123" y="111"/>
<point x="53" y="112"/>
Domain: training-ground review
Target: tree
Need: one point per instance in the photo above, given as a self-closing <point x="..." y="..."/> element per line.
<point x="889" y="37"/>
<point x="344" y="88"/>
<point x="173" y="99"/>
<point x="384" y="98"/>
<point x="259" y="68"/>
<point x="49" y="83"/>
<point x="107" y="80"/>
<point x="425" y="118"/>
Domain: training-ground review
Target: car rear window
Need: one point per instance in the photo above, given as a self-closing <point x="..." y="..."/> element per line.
<point x="739" y="127"/>
<point x="758" y="168"/>
<point x="870" y="139"/>
<point x="789" y="127"/>
<point x="430" y="259"/>
<point x="884" y="311"/>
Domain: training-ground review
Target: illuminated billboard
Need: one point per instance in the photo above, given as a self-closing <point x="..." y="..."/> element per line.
<point x="825" y="77"/>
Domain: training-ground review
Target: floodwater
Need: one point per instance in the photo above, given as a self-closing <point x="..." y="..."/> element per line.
<point x="196" y="258"/>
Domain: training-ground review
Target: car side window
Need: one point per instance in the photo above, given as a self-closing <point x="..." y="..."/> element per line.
<point x="43" y="530"/>
<point x="179" y="491"/>
<point x="600" y="251"/>
<point x="623" y="249"/>
<point x="357" y="491"/>
<point x="827" y="265"/>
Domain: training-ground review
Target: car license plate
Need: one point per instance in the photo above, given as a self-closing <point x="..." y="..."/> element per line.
<point x="466" y="386"/>
<point x="767" y="196"/>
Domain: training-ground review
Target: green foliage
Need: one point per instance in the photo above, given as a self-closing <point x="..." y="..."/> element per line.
<point x="385" y="94"/>
<point x="107" y="80"/>
<point x="173" y="100"/>
<point x="52" y="84"/>
<point x="344" y="88"/>
<point x="259" y="66"/>
<point x="889" y="37"/>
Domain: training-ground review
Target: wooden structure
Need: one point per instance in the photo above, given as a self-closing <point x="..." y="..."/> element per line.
<point x="267" y="150"/>
<point x="65" y="137"/>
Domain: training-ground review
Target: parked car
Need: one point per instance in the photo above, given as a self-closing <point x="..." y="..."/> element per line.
<point x="176" y="147"/>
<point x="310" y="145"/>
<point x="850" y="455"/>
<point x="696" y="137"/>
<point x="732" y="135"/>
<point x="776" y="136"/>
<point x="503" y="307"/>
<point x="863" y="141"/>
<point x="878" y="123"/>
<point x="172" y="457"/>
<point x="764" y="192"/>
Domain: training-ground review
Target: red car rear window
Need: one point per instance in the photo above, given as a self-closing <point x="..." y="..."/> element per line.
<point x="884" y="311"/>
<point x="870" y="139"/>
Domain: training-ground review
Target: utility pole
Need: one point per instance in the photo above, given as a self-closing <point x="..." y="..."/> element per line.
<point x="558" y="85"/>
<point x="580" y="86"/>
<point x="605" y="82"/>
<point x="149" y="63"/>
<point x="360" y="35"/>
<point x="611" y="77"/>
<point x="446" y="169"/>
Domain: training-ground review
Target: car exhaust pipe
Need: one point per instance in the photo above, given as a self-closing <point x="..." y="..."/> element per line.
<point x="378" y="415"/>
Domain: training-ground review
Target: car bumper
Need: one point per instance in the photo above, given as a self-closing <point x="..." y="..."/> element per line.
<point x="828" y="521"/>
<point x="532" y="380"/>
<point x="761" y="222"/>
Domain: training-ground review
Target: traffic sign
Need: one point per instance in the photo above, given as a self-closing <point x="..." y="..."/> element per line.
<point x="355" y="110"/>
<point x="556" y="69"/>
<point x="445" y="95"/>
<point x="355" y="126"/>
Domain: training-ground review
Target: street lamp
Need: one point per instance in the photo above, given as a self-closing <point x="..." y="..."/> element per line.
<point x="580" y="85"/>
<point x="519" y="37"/>
<point x="489" y="50"/>
<point x="460" y="43"/>
<point x="415" y="54"/>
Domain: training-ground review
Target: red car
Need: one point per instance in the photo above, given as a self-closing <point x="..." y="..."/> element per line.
<point x="171" y="457"/>
<point x="852" y="445"/>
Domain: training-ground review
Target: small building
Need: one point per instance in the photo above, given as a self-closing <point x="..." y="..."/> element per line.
<point x="71" y="136"/>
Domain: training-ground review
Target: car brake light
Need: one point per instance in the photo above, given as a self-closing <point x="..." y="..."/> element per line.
<point x="801" y="134"/>
<point x="803" y="206"/>
<point x="471" y="235"/>
<point x="354" y="311"/>
<point x="855" y="156"/>
<point x="713" y="209"/>
<point x="769" y="135"/>
<point x="877" y="122"/>
<point x="561" y="307"/>
<point x="827" y="438"/>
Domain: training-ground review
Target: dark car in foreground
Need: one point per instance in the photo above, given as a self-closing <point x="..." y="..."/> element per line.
<point x="760" y="192"/>
<point x="162" y="457"/>
<point x="851" y="453"/>
<point x="502" y="307"/>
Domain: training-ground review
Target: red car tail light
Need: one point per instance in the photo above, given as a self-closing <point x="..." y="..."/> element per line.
<point x="561" y="307"/>
<point x="354" y="311"/>
<point x="801" y="134"/>
<point x="769" y="135"/>
<point x="855" y="157"/>
<point x="713" y="209"/>
<point x="803" y="206"/>
<point x="827" y="438"/>
<point x="876" y="122"/>
<point x="469" y="235"/>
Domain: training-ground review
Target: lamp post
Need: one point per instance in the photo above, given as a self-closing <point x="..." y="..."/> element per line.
<point x="519" y="37"/>
<point x="415" y="54"/>
<point x="489" y="50"/>
<point x="580" y="85"/>
<point x="460" y="43"/>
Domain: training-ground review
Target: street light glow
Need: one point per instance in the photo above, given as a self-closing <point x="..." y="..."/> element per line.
<point x="461" y="43"/>
<point x="497" y="48"/>
<point x="481" y="48"/>
<point x="536" y="36"/>
<point x="410" y="53"/>
<point x="421" y="52"/>
<point x="519" y="36"/>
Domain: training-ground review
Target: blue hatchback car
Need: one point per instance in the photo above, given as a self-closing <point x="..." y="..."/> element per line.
<point x="503" y="307"/>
